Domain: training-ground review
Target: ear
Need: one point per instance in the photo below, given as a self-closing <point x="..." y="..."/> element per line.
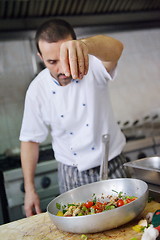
<point x="39" y="55"/>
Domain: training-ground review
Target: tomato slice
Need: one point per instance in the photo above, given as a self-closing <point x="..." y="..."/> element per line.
<point x="88" y="204"/>
<point x="98" y="211"/>
<point x="128" y="200"/>
<point x="132" y="199"/>
<point x="99" y="205"/>
<point x="120" y="203"/>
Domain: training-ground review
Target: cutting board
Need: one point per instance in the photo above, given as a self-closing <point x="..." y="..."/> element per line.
<point x="40" y="227"/>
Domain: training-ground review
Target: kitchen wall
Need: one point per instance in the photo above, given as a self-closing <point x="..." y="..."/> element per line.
<point x="134" y="93"/>
<point x="16" y="72"/>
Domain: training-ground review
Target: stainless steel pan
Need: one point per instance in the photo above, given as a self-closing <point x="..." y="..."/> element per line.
<point x="146" y="169"/>
<point x="105" y="220"/>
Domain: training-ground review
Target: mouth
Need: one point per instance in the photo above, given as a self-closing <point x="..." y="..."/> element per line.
<point x="63" y="77"/>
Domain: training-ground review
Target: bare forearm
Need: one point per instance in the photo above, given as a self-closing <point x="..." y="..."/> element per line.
<point x="74" y="54"/>
<point x="106" y="48"/>
<point x="29" y="158"/>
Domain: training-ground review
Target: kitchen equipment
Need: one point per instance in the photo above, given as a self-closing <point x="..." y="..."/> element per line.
<point x="105" y="220"/>
<point x="46" y="181"/>
<point x="141" y="148"/>
<point x="146" y="169"/>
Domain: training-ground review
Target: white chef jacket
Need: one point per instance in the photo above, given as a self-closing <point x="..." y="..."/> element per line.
<point x="77" y="114"/>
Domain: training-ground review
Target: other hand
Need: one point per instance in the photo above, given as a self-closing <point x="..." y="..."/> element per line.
<point x="31" y="204"/>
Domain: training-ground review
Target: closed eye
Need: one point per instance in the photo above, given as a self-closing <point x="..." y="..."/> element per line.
<point x="52" y="61"/>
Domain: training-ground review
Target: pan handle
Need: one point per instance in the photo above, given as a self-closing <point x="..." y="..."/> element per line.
<point x="105" y="152"/>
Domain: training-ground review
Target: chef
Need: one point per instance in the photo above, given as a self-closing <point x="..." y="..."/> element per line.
<point x="70" y="98"/>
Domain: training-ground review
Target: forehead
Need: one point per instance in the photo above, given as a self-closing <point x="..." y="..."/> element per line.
<point x="51" y="50"/>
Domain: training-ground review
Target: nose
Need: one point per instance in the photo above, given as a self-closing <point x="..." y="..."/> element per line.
<point x="59" y="68"/>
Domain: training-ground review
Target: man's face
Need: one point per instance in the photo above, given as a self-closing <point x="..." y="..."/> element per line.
<point x="50" y="54"/>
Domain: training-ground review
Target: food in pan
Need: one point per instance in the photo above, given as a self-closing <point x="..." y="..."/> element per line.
<point x="96" y="205"/>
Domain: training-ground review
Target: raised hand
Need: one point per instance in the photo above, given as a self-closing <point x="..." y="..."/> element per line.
<point x="74" y="58"/>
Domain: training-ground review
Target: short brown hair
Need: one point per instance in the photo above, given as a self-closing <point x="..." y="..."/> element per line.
<point x="54" y="30"/>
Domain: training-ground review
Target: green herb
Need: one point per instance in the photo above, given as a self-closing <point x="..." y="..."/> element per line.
<point x="114" y="191"/>
<point x="58" y="206"/>
<point x="94" y="198"/>
<point x="143" y="227"/>
<point x="69" y="205"/>
<point x="120" y="194"/>
<point x="64" y="211"/>
<point x="134" y="238"/>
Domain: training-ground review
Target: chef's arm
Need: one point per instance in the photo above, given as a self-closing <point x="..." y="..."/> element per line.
<point x="29" y="159"/>
<point x="105" y="48"/>
<point x="74" y="54"/>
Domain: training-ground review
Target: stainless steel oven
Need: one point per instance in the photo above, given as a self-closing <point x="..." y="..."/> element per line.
<point x="46" y="183"/>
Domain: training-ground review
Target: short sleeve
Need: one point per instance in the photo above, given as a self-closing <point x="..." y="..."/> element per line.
<point x="99" y="71"/>
<point x="33" y="127"/>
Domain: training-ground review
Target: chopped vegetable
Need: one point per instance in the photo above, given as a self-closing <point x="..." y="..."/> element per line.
<point x="109" y="207"/>
<point x="71" y="205"/>
<point x="94" y="198"/>
<point x="88" y="204"/>
<point x="60" y="213"/>
<point x="138" y="228"/>
<point x="84" y="237"/>
<point x="120" y="203"/>
<point x="58" y="206"/>
<point x="94" y="206"/>
<point x="143" y="222"/>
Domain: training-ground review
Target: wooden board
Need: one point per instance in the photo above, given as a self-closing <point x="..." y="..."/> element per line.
<point x="40" y="227"/>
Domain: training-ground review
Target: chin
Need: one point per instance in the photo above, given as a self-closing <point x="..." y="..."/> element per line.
<point x="65" y="82"/>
